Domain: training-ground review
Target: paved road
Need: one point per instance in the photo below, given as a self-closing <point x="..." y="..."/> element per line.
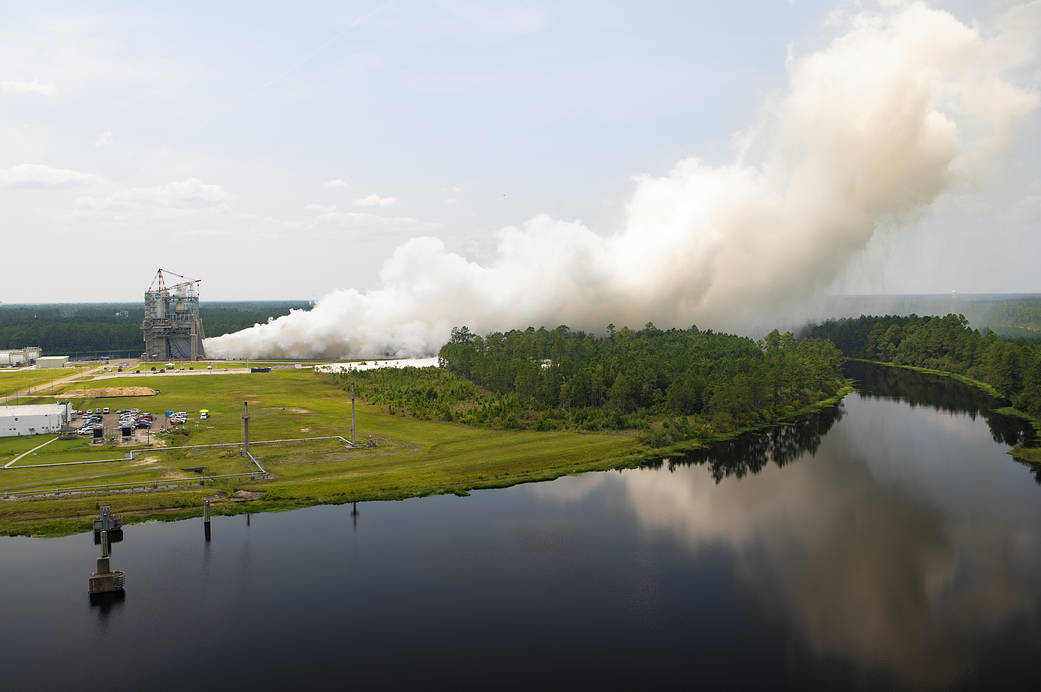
<point x="25" y="454"/>
<point x="174" y="373"/>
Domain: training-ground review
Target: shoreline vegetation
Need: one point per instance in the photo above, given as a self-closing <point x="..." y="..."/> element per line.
<point x="503" y="409"/>
<point x="429" y="454"/>
<point x="947" y="346"/>
<point x="1028" y="454"/>
<point x="51" y="517"/>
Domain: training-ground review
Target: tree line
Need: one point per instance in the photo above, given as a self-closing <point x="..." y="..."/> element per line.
<point x="946" y="343"/>
<point x="96" y="328"/>
<point x="671" y="384"/>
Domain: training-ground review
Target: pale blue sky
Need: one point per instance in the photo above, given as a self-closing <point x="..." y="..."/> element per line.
<point x="283" y="150"/>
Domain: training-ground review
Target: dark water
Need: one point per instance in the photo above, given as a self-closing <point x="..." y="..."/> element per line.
<point x="890" y="542"/>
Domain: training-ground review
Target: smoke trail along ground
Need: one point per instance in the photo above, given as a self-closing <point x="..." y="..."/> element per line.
<point x="904" y="105"/>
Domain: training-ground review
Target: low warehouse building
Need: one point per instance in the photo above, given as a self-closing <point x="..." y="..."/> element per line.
<point x="35" y="419"/>
<point x="52" y="362"/>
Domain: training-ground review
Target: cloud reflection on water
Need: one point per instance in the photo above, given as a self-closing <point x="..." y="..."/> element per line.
<point x="869" y="567"/>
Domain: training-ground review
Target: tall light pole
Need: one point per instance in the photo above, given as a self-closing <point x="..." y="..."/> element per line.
<point x="352" y="416"/>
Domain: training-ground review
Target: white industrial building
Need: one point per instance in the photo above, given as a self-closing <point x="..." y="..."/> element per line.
<point x="52" y="361"/>
<point x="35" y="419"/>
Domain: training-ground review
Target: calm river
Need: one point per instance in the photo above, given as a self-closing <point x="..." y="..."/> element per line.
<point x="888" y="543"/>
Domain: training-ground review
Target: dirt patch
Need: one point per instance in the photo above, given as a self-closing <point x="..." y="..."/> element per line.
<point x="146" y="461"/>
<point x="104" y="392"/>
<point x="294" y="409"/>
<point x="219" y="496"/>
<point x="246" y="496"/>
<point x="305" y="430"/>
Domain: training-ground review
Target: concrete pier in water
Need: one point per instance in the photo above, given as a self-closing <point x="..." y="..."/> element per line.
<point x="105" y="580"/>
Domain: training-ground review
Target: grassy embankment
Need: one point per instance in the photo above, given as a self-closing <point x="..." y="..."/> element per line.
<point x="1030" y="454"/>
<point x="413" y="457"/>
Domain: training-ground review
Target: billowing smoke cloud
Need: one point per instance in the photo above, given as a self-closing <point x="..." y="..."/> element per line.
<point x="868" y="131"/>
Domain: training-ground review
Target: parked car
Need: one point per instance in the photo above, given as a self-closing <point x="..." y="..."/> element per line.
<point x="106" y="410"/>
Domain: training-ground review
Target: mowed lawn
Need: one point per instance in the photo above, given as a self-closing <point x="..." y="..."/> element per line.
<point x="12" y="381"/>
<point x="411" y="457"/>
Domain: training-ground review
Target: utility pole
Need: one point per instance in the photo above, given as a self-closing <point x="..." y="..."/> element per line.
<point x="352" y="416"/>
<point x="245" y="429"/>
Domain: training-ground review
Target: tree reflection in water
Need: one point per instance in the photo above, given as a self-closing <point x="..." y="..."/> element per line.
<point x="944" y="393"/>
<point x="750" y="453"/>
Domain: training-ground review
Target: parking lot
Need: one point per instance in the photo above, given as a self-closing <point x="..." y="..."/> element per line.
<point x="110" y="423"/>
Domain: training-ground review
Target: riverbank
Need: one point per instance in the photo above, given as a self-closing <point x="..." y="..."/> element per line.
<point x="978" y="384"/>
<point x="411" y="457"/>
<point x="703" y="442"/>
<point x="1020" y="452"/>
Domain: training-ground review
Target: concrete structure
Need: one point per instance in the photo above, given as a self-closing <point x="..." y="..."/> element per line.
<point x="172" y="329"/>
<point x="52" y="361"/>
<point x="36" y="419"/>
<point x="15" y="357"/>
<point x="105" y="580"/>
<point x="107" y="521"/>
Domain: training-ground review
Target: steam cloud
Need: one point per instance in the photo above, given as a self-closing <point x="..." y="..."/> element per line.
<point x="908" y="102"/>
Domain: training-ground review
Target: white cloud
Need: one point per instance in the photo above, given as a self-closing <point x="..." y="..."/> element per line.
<point x="190" y="192"/>
<point x="375" y="200"/>
<point x="366" y="221"/>
<point x="336" y="183"/>
<point x="31" y="87"/>
<point x="103" y="140"/>
<point x="37" y="175"/>
<point x="182" y="194"/>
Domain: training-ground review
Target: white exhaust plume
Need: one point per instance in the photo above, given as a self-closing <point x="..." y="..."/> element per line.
<point x="870" y="130"/>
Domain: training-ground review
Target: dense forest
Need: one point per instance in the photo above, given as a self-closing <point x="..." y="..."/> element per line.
<point x="115" y="328"/>
<point x="1010" y="316"/>
<point x="1010" y="319"/>
<point x="944" y="343"/>
<point x="672" y="384"/>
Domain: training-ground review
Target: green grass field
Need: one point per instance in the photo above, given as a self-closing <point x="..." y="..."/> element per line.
<point x="19" y="380"/>
<point x="412" y="457"/>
